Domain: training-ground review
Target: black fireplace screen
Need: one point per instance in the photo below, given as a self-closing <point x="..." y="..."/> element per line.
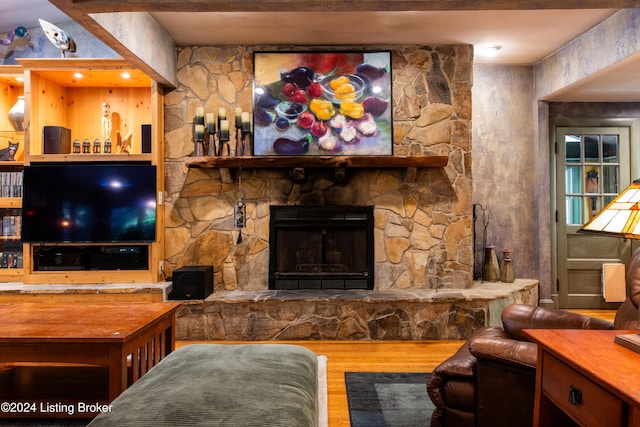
<point x="321" y="247"/>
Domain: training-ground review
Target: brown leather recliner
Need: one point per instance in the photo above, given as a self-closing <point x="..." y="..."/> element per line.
<point x="490" y="380"/>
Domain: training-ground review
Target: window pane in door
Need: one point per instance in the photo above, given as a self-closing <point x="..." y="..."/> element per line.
<point x="593" y="206"/>
<point x="610" y="180"/>
<point x="573" y="180"/>
<point x="572" y="148"/>
<point x="610" y="149"/>
<point x="574" y="209"/>
<point x="592" y="148"/>
<point x="592" y="180"/>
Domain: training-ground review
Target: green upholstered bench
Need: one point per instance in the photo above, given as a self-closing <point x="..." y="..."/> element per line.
<point x="226" y="385"/>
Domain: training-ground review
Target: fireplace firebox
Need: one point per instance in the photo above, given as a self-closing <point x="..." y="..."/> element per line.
<point x="326" y="247"/>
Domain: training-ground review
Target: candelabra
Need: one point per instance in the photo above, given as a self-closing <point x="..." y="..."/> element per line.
<point x="243" y="134"/>
<point x="218" y="133"/>
<point x="212" y="149"/>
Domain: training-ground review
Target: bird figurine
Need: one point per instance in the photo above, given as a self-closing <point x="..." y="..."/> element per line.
<point x="58" y="37"/>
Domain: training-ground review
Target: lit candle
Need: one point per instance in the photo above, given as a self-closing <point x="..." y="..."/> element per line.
<point x="199" y="133"/>
<point x="246" y="122"/>
<point x="211" y="123"/>
<point x="199" y="115"/>
<point x="238" y="117"/>
<point x="224" y="130"/>
<point x="222" y="115"/>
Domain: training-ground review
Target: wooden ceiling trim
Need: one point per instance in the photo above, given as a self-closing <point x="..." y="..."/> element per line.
<point x="98" y="6"/>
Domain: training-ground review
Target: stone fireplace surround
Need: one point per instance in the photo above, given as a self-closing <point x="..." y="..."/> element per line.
<point x="350" y="315"/>
<point x="422" y="218"/>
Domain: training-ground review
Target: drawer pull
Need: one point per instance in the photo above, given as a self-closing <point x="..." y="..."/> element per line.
<point x="575" y="396"/>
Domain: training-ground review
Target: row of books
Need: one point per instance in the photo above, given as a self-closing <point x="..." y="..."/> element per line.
<point x="10" y="260"/>
<point x="11" y="184"/>
<point x="11" y="225"/>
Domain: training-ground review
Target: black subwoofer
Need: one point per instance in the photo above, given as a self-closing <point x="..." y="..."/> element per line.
<point x="192" y="282"/>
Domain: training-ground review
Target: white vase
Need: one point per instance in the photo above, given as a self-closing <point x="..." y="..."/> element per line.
<point x="16" y="115"/>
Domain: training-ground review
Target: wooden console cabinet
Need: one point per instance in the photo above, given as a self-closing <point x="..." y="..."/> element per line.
<point x="584" y="374"/>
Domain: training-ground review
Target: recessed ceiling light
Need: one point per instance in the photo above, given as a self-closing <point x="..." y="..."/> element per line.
<point x="125" y="75"/>
<point x="488" y="51"/>
<point x="78" y="75"/>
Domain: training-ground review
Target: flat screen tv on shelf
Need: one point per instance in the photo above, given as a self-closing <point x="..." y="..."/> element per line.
<point x="89" y="203"/>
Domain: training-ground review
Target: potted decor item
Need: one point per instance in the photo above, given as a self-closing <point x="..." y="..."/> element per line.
<point x="491" y="271"/>
<point x="506" y="268"/>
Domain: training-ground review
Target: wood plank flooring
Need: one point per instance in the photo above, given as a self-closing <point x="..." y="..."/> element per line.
<point x="377" y="356"/>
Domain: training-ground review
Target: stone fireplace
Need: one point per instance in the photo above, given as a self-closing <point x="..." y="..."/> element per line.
<point x="422" y="217"/>
<point x="321" y="247"/>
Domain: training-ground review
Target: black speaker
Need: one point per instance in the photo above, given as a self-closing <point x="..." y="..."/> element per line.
<point x="57" y="140"/>
<point x="194" y="282"/>
<point x="146" y="138"/>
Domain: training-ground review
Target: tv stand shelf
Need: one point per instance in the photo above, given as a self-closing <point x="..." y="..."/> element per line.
<point x="120" y="157"/>
<point x="91" y="257"/>
<point x="256" y="162"/>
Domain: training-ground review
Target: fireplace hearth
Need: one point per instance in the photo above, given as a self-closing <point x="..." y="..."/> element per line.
<point x="321" y="247"/>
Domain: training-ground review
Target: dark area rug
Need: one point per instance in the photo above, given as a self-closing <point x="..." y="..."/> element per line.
<point x="387" y="399"/>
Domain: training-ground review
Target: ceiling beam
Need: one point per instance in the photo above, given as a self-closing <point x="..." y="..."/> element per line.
<point x="97" y="6"/>
<point x="131" y="35"/>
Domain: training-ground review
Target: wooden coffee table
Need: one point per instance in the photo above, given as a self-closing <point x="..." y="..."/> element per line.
<point x="126" y="339"/>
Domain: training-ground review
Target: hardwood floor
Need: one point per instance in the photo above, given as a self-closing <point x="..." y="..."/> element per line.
<point x="367" y="356"/>
<point x="378" y="356"/>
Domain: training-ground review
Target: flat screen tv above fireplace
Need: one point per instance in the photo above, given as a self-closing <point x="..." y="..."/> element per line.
<point x="89" y="203"/>
<point x="321" y="247"/>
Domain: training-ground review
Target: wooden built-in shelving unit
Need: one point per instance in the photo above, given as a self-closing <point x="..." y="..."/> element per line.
<point x="55" y="95"/>
<point x="11" y="250"/>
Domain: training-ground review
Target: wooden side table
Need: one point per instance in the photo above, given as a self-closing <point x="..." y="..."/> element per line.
<point x="125" y="339"/>
<point x="584" y="374"/>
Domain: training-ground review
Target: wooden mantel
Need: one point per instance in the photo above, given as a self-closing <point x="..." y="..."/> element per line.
<point x="257" y="162"/>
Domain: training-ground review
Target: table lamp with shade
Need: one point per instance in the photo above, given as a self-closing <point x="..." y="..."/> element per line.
<point x="620" y="218"/>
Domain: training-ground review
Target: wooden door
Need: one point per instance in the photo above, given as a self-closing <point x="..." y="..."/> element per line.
<point x="592" y="167"/>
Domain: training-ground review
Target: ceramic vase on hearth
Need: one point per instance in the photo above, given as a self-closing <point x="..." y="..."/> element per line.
<point x="491" y="270"/>
<point x="16" y="115"/>
<point x="506" y="268"/>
